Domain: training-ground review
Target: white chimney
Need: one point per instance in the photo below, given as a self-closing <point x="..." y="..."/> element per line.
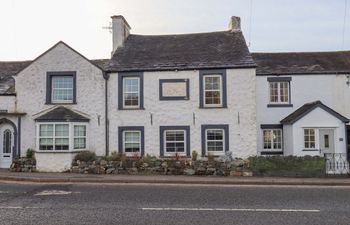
<point x="235" y="24"/>
<point x="120" y="31"/>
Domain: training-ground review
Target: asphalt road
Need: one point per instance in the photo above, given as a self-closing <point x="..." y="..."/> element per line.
<point x="172" y="204"/>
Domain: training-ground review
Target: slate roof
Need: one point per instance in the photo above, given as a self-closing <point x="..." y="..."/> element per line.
<point x="62" y="114"/>
<point x="11" y="68"/>
<point x="307" y="108"/>
<point x="285" y="63"/>
<point x="224" y="49"/>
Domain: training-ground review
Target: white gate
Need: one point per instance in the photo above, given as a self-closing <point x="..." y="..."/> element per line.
<point x="336" y="163"/>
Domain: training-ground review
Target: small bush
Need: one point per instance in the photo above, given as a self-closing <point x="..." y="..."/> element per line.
<point x="30" y="153"/>
<point x="306" y="166"/>
<point x="85" y="156"/>
<point x="194" y="155"/>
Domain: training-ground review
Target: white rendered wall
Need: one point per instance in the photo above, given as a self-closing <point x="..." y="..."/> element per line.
<point x="240" y="100"/>
<point x="54" y="162"/>
<point x="330" y="89"/>
<point x="8" y="103"/>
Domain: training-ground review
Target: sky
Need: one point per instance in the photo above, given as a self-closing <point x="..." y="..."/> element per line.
<point x="30" y="27"/>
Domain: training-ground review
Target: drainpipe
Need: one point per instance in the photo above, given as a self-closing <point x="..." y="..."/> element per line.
<point x="106" y="77"/>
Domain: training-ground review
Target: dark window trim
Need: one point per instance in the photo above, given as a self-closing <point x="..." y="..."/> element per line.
<point x="279" y="105"/>
<point x="161" y="138"/>
<point x="131" y="128"/>
<point x="204" y="127"/>
<point x="49" y="76"/>
<point x="271" y="126"/>
<point x="271" y="153"/>
<point x="203" y="73"/>
<point x="121" y="75"/>
<point x="311" y="150"/>
<point x="279" y="79"/>
<point x="165" y="98"/>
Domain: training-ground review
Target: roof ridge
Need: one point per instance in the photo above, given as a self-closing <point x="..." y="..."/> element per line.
<point x="182" y="34"/>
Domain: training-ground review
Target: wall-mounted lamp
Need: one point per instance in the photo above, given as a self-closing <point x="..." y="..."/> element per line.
<point x="348" y="80"/>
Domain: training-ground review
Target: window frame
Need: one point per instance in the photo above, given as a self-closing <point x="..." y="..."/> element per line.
<point x="279" y="88"/>
<point x="212" y="90"/>
<point x="70" y="136"/>
<point x="81" y="137"/>
<point x="7" y="143"/>
<point x="226" y="133"/>
<point x="187" y="140"/>
<point x="278" y="81"/>
<point x="121" y="138"/>
<point x="138" y="93"/>
<point x="172" y="98"/>
<point x="49" y="87"/>
<point x="309" y="142"/>
<point x="124" y="141"/>
<point x="121" y="76"/>
<point x="223" y="88"/>
<point x="271" y="130"/>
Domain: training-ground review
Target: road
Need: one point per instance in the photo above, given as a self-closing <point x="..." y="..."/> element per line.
<point x="172" y="204"/>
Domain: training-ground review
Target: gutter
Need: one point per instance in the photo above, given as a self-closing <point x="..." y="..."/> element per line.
<point x="106" y="77"/>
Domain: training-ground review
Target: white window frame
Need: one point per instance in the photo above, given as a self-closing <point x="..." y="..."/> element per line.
<point x="71" y="136"/>
<point x="279" y="96"/>
<point x="272" y="142"/>
<point x="220" y="90"/>
<point x="166" y="153"/>
<point x="53" y="88"/>
<point x="140" y="144"/>
<point x="124" y="92"/>
<point x="223" y="142"/>
<point x="315" y="138"/>
<point x="74" y="137"/>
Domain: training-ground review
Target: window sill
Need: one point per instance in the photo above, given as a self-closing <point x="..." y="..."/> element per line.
<point x="58" y="151"/>
<point x="214" y="107"/>
<point x="62" y="103"/>
<point x="271" y="153"/>
<point x="310" y="150"/>
<point x="131" y="109"/>
<point x="279" y="105"/>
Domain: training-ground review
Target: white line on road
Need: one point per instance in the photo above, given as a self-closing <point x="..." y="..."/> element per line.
<point x="232" y="210"/>
<point x="18" y="207"/>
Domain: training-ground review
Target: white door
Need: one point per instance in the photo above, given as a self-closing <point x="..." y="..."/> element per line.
<point x="327" y="141"/>
<point x="6" y="145"/>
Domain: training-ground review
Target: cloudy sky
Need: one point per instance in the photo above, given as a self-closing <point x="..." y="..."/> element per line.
<point x="29" y="27"/>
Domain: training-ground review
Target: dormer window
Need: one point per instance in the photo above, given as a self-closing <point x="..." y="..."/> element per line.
<point x="61" y="88"/>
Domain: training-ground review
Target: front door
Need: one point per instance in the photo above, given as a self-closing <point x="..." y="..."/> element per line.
<point x="327" y="140"/>
<point x="6" y="145"/>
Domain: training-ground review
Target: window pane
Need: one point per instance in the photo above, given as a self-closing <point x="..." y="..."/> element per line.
<point x="62" y="88"/>
<point x="79" y="130"/>
<point x="79" y="143"/>
<point x="215" y="140"/>
<point x="46" y="130"/>
<point x="62" y="130"/>
<point x="7" y="142"/>
<point x="46" y="143"/>
<point x="175" y="141"/>
<point x="131" y="136"/>
<point x="212" y="90"/>
<point x="132" y="147"/>
<point x="131" y="91"/>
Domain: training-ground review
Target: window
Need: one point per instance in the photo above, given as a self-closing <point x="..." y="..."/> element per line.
<point x="61" y="87"/>
<point x="57" y="137"/>
<point x="212" y="90"/>
<point x="279" y="92"/>
<point x="174" y="141"/>
<point x="7" y="141"/>
<point x="309" y="138"/>
<point x="215" y="140"/>
<point x="79" y="136"/>
<point x="131" y="92"/>
<point x="212" y="84"/>
<point x="131" y="141"/>
<point x="130" y="86"/>
<point x="326" y="141"/>
<point x="272" y="139"/>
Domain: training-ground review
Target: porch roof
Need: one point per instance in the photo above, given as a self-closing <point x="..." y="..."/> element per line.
<point x="307" y="108"/>
<point x="62" y="114"/>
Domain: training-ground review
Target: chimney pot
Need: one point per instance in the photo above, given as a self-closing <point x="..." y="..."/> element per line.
<point x="235" y="23"/>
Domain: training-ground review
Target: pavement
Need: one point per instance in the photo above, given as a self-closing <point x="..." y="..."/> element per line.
<point x="37" y="177"/>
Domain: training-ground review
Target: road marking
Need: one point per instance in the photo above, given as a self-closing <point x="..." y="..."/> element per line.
<point x="18" y="207"/>
<point x="53" y="192"/>
<point x="232" y="210"/>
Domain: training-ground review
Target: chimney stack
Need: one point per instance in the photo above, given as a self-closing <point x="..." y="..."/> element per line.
<point x="235" y="24"/>
<point x="120" y="31"/>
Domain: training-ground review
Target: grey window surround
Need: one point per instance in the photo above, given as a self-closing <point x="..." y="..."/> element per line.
<point x="161" y="138"/>
<point x="49" y="76"/>
<point x="271" y="153"/>
<point x="271" y="126"/>
<point x="281" y="79"/>
<point x="165" y="98"/>
<point x="204" y="127"/>
<point x="311" y="150"/>
<point x="203" y="73"/>
<point x="131" y="128"/>
<point x="121" y="75"/>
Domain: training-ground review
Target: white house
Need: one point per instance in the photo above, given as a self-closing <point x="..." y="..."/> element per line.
<point x="303" y="103"/>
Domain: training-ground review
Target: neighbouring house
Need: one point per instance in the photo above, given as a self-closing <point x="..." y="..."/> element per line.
<point x="172" y="94"/>
<point x="303" y="103"/>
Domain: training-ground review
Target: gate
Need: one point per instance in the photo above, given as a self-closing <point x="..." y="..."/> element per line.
<point x="336" y="163"/>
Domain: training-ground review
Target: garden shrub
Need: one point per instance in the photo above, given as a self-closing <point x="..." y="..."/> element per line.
<point x="85" y="156"/>
<point x="287" y="165"/>
<point x="30" y="153"/>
